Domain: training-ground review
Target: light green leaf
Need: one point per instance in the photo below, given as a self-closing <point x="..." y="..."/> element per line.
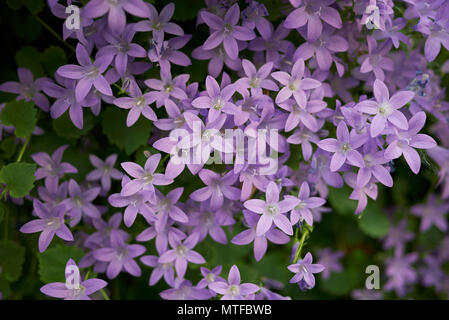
<point x="127" y="138"/>
<point x="65" y="128"/>
<point x="52" y="262"/>
<point x="26" y="57"/>
<point x="19" y="178"/>
<point x="373" y="221"/>
<point x="52" y="58"/>
<point x="22" y="115"/>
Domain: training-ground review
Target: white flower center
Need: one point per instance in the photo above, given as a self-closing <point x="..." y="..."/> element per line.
<point x="385" y="109"/>
<point x="272" y="210"/>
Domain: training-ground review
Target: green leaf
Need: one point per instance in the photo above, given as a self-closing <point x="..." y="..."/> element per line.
<point x="22" y="115"/>
<point x="8" y="147"/>
<point x="339" y="199"/>
<point x="35" y="6"/>
<point x="186" y="10"/>
<point x="19" y="178"/>
<point x="65" y="128"/>
<point x="352" y="276"/>
<point x="373" y="221"/>
<point x="5" y="289"/>
<point x="12" y="256"/>
<point x="15" y="4"/>
<point x="127" y="138"/>
<point x="27" y="30"/>
<point x="26" y="57"/>
<point x="338" y="284"/>
<point x="52" y="262"/>
<point x="52" y="58"/>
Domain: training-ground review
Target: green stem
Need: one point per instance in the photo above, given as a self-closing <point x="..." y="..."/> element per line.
<point x="304" y="235"/>
<point x="54" y="33"/>
<point x="105" y="296"/>
<point x="22" y="151"/>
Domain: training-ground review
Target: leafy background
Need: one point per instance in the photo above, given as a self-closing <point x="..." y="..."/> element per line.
<point x="28" y="41"/>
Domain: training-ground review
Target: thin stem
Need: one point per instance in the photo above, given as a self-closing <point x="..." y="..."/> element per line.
<point x="304" y="235"/>
<point x="54" y="33"/>
<point x="105" y="296"/>
<point x="22" y="151"/>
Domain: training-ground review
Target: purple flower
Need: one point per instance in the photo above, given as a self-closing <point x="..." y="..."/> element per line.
<point x="137" y="104"/>
<point x="160" y="270"/>
<point x="404" y="142"/>
<point x="233" y="289"/>
<point x="398" y="235"/>
<point x="181" y="253"/>
<point x="322" y="48"/>
<point x="431" y="213"/>
<point x="120" y="256"/>
<point x="51" y="167"/>
<point x="73" y="288"/>
<point x="374" y="161"/>
<point x="105" y="230"/>
<point x="210" y="276"/>
<point x="330" y="260"/>
<point x="116" y="11"/>
<point x="311" y="13"/>
<point x="376" y="60"/>
<point x="302" y="209"/>
<point x="272" y="210"/>
<point x="360" y="194"/>
<point x="169" y="89"/>
<point x="121" y="48"/>
<point x="295" y="84"/>
<point x="400" y="273"/>
<point x="65" y="99"/>
<point x="304" y="270"/>
<point x="392" y="32"/>
<point x="253" y="17"/>
<point x="49" y="223"/>
<point x="385" y="108"/>
<point x="28" y="89"/>
<point x="87" y="73"/>
<point x="218" y="188"/>
<point x="52" y="194"/>
<point x="217" y="57"/>
<point x="256" y="80"/>
<point x="206" y="220"/>
<point x="159" y="23"/>
<point x="303" y="114"/>
<point x="344" y="147"/>
<point x="260" y="241"/>
<point x="166" y="52"/>
<point x="104" y="171"/>
<point x="80" y="202"/>
<point x="226" y="31"/>
<point x="217" y="100"/>
<point x="165" y="207"/>
<point x="135" y="203"/>
<point x="183" y="290"/>
<point x="437" y="35"/>
<point x="145" y="178"/>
